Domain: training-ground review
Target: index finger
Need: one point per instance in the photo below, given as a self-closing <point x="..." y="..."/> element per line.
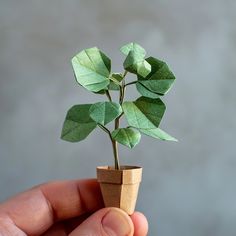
<point x="35" y="210"/>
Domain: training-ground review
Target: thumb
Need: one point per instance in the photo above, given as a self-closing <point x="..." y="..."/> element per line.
<point x="106" y="222"/>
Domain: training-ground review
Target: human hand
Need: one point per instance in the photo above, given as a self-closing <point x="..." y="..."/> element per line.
<point x="67" y="208"/>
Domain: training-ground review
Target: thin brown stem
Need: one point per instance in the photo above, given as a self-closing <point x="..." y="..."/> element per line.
<point x="117" y="121"/>
<point x="104" y="129"/>
<point x="116" y="156"/>
<point x="123" y="92"/>
<point x="132" y="82"/>
<point x="114" y="146"/>
<point x="108" y="95"/>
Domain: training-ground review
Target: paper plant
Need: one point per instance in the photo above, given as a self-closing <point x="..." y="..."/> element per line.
<point x="92" y="69"/>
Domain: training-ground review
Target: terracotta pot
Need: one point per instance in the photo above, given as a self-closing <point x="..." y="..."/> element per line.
<point x="120" y="187"/>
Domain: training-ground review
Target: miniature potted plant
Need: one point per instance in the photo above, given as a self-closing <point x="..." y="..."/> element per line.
<point x="92" y="68"/>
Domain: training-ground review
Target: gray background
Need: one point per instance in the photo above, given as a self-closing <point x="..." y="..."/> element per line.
<point x="188" y="187"/>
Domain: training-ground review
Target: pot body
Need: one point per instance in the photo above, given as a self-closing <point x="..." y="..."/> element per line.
<point x="120" y="187"/>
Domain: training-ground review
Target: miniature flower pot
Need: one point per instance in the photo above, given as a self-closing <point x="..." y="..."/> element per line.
<point x="120" y="187"/>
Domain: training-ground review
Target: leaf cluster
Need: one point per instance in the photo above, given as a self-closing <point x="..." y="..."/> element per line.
<point x="153" y="79"/>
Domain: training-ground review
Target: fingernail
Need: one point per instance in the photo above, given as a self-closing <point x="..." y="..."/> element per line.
<point x="116" y="223"/>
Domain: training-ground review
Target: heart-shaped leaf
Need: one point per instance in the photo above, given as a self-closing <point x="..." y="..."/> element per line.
<point x="133" y="47"/>
<point x="158" y="82"/>
<point x="92" y="69"/>
<point x="126" y="136"/>
<point x="105" y="112"/>
<point x="136" y="64"/>
<point x="78" y="124"/>
<point x="144" y="113"/>
<point x="158" y="133"/>
<point x="135" y="61"/>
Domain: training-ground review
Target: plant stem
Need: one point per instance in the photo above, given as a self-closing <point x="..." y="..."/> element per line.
<point x="116" y="157"/>
<point x="117" y="122"/>
<point x="114" y="146"/>
<point x="108" y="95"/>
<point x="105" y="129"/>
<point x="132" y="82"/>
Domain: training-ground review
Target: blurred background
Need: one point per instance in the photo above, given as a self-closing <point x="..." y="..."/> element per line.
<point x="188" y="187"/>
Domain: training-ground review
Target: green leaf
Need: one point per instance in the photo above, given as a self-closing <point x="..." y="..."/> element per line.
<point x="126" y="136"/>
<point x="159" y="134"/>
<point x="115" y="78"/>
<point x="135" y="63"/>
<point x="78" y="124"/>
<point x="144" y="113"/>
<point x="158" y="81"/>
<point x="146" y="92"/>
<point x="105" y="112"/>
<point x="133" y="47"/>
<point x="92" y="69"/>
<point x="143" y="68"/>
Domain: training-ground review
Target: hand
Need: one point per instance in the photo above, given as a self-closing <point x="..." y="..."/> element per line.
<point x="67" y="208"/>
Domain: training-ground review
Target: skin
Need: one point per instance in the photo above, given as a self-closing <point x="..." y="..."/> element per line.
<point x="60" y="208"/>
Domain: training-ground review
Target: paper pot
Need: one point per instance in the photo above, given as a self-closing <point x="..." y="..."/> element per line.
<point x="120" y="187"/>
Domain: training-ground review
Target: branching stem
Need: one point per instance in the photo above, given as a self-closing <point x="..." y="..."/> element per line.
<point x="132" y="82"/>
<point x="114" y="146"/>
<point x="117" y="121"/>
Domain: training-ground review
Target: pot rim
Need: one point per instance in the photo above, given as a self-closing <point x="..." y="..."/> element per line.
<point x="129" y="175"/>
<point x="122" y="168"/>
